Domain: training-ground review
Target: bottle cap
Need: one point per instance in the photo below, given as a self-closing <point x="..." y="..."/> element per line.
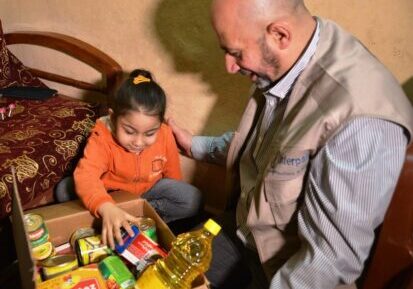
<point x="212" y="227"/>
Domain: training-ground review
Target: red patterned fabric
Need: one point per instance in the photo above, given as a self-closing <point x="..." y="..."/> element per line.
<point x="12" y="71"/>
<point x="43" y="140"/>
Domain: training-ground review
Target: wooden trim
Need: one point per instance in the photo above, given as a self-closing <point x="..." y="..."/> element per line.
<point x="111" y="71"/>
<point x="65" y="80"/>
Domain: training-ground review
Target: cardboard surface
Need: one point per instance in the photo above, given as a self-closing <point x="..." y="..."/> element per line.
<point x="63" y="219"/>
<point x="21" y="240"/>
<point x="73" y="215"/>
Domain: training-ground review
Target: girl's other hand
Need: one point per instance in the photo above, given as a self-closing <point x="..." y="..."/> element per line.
<point x="113" y="218"/>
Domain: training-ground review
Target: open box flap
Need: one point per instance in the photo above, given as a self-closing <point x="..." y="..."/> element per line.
<point x="21" y="241"/>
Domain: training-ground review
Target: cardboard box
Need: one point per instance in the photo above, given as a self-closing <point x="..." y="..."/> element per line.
<point x="63" y="219"/>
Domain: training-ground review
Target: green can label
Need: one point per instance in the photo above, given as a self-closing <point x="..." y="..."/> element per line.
<point x="115" y="271"/>
<point x="148" y="227"/>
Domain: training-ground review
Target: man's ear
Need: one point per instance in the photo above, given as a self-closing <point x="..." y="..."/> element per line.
<point x="280" y="33"/>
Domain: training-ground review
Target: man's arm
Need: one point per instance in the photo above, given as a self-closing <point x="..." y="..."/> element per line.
<point x="211" y="149"/>
<point x="350" y="185"/>
<point x="203" y="148"/>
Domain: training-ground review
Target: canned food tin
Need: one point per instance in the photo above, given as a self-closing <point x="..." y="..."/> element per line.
<point x="148" y="227"/>
<point x="91" y="250"/>
<point x="43" y="239"/>
<point x="81" y="233"/>
<point x="142" y="252"/>
<point x="114" y="270"/>
<point x="126" y="238"/>
<point x="43" y="251"/>
<point x="57" y="265"/>
<point x="35" y="226"/>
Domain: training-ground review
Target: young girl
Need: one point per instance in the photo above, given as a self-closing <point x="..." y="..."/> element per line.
<point x="132" y="149"/>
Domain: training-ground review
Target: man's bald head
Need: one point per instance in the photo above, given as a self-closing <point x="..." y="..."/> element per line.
<point x="264" y="8"/>
<point x="257" y="11"/>
<point x="262" y="38"/>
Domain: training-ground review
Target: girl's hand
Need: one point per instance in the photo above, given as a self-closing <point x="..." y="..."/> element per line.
<point x="113" y="218"/>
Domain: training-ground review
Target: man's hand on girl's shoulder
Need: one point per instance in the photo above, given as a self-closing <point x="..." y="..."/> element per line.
<point x="182" y="136"/>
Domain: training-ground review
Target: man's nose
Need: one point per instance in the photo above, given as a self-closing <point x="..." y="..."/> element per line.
<point x="231" y="64"/>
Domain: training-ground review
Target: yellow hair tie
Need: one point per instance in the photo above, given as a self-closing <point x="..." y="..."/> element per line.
<point x="140" y="78"/>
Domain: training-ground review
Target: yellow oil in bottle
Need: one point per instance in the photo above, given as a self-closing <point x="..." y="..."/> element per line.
<point x="190" y="256"/>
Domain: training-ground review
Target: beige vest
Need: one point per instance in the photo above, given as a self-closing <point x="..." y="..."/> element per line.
<point x="341" y="82"/>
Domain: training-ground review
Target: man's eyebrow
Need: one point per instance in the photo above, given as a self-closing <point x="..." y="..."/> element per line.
<point x="226" y="49"/>
<point x="230" y="50"/>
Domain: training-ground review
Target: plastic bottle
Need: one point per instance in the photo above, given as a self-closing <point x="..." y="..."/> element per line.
<point x="190" y="256"/>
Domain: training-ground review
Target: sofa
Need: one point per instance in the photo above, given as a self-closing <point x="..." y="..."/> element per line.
<point x="44" y="138"/>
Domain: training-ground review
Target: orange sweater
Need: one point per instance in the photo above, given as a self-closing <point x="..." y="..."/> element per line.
<point x="108" y="166"/>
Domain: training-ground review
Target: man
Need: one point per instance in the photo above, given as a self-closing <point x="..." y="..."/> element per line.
<point x="319" y="147"/>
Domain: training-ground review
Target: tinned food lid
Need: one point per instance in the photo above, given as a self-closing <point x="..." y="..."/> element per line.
<point x="33" y="222"/>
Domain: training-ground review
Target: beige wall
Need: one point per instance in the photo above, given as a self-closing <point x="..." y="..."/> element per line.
<point x="174" y="40"/>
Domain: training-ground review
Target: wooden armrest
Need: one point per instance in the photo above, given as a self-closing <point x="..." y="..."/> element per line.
<point x="111" y="71"/>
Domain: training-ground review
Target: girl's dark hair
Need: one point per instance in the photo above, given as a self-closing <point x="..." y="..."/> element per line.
<point x="140" y="92"/>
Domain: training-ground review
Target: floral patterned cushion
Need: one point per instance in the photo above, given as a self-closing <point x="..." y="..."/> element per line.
<point x="43" y="141"/>
<point x="12" y="71"/>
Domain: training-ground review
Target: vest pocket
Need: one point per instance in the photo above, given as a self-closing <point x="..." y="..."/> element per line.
<point x="283" y="184"/>
<point x="282" y="198"/>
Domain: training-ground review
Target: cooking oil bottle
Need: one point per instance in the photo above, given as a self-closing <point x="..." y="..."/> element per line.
<point x="190" y="255"/>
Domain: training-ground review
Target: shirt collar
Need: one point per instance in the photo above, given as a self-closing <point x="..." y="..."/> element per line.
<point x="284" y="85"/>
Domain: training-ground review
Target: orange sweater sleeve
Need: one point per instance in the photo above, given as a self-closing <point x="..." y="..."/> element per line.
<point x="173" y="164"/>
<point x="88" y="173"/>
